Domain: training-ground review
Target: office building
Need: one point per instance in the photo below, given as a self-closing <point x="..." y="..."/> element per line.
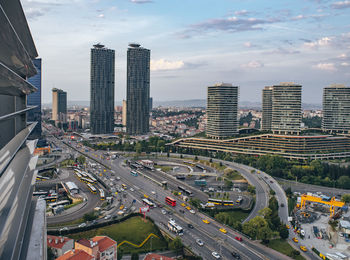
<point x="266" y="119"/>
<point x="336" y="108"/>
<point x="59" y="106"/>
<point x="138" y="90"/>
<point x="124" y="113"/>
<point x="102" y="90"/>
<point x="286" y="108"/>
<point x="150" y="104"/>
<point x="22" y="218"/>
<point x="34" y="99"/>
<point x="222" y="110"/>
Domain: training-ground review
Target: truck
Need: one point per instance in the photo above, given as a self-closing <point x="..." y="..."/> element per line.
<point x="200" y="183"/>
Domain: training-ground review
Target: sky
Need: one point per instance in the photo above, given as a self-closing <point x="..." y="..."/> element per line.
<point x="195" y="43"/>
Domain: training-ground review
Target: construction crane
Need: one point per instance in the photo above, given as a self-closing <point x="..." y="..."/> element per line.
<point x="332" y="202"/>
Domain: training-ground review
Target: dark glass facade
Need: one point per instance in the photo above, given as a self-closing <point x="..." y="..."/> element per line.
<point x="102" y="90"/>
<point x="34" y="99"/>
<point x="138" y="90"/>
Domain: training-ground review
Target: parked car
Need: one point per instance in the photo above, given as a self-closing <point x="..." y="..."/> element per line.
<point x="199" y="242"/>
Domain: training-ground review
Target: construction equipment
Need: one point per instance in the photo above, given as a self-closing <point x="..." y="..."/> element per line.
<point x="332" y="202"/>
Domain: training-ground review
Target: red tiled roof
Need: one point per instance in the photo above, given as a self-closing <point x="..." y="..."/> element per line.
<point x="53" y="241"/>
<point x="84" y="242"/>
<point x="77" y="254"/>
<point x="157" y="257"/>
<point x="104" y="242"/>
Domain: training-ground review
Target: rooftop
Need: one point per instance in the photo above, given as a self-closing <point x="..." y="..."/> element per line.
<point x="76" y="254"/>
<point x="104" y="242"/>
<point x="56" y="241"/>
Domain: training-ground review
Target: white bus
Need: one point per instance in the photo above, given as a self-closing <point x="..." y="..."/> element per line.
<point x="175" y="228"/>
<point x="149" y="203"/>
<point x="102" y="194"/>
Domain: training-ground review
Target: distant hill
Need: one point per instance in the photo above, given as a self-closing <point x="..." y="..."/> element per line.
<point x="190" y="103"/>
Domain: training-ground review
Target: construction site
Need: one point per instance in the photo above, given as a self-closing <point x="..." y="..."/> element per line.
<point x="323" y="223"/>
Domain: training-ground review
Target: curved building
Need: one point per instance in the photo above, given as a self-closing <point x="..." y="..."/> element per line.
<point x="222" y="110"/>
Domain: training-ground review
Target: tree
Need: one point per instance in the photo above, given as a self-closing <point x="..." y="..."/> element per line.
<point x="345" y="198"/>
<point x="176" y="245"/>
<point x="134" y="256"/>
<point x="344" y="182"/>
<point x="284" y="232"/>
<point x="81" y="159"/>
<point x="228" y="184"/>
<point x="89" y="216"/>
<point x="138" y="148"/>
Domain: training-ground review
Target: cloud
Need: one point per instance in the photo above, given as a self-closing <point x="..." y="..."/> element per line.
<point x="101" y="16"/>
<point x="325" y="66"/>
<point x="282" y="51"/>
<point x="341" y="5"/>
<point x="141" y="1"/>
<point x="298" y="17"/>
<point x="241" y="12"/>
<point x="325" y="41"/>
<point x="345" y="64"/>
<point x="253" y="65"/>
<point x="32" y="13"/>
<point x="162" y="64"/>
<point x="230" y="24"/>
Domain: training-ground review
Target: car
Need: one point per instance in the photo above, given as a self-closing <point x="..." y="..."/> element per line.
<point x="238" y="238"/>
<point x="188" y="208"/>
<point x="171" y="220"/>
<point x="271" y="181"/>
<point x="216" y="255"/>
<point x="199" y="242"/>
<point x="206" y="221"/>
<point x="303" y="248"/>
<point x="82" y="225"/>
<point x="295" y="240"/>
<point x="63" y="229"/>
<point x="163" y="212"/>
<point x="182" y="211"/>
<point x="282" y="205"/>
<point x="223" y="230"/>
<point x="287" y="226"/>
<point x="107" y="217"/>
<point x="236" y="255"/>
<point x="192" y="211"/>
<point x="190" y="225"/>
<point x="153" y="192"/>
<point x="183" y="204"/>
<point x="131" y="189"/>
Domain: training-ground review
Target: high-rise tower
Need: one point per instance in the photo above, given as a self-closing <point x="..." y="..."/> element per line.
<point x="286" y="108"/>
<point x="34" y="99"/>
<point x="266" y="108"/>
<point x="102" y="90"/>
<point x="222" y="110"/>
<point x="336" y="108"/>
<point x="59" y="106"/>
<point x="138" y="90"/>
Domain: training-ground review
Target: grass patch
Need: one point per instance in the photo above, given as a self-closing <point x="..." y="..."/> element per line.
<point x="134" y="230"/>
<point x="237" y="215"/>
<point x="232" y="174"/>
<point x="164" y="168"/>
<point x="283" y="247"/>
<point x="74" y="222"/>
<point x="73" y="204"/>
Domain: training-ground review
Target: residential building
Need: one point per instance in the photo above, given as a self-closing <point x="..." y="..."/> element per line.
<point x="222" y="109"/>
<point x="34" y="99"/>
<point x="59" y="106"/>
<point x="76" y="254"/>
<point x="138" y="90"/>
<point x="102" y="90"/>
<point x="266" y="120"/>
<point x="152" y="256"/>
<point x="22" y="218"/>
<point x="59" y="245"/>
<point x="101" y="247"/>
<point x="124" y="113"/>
<point x="336" y="108"/>
<point x="286" y="108"/>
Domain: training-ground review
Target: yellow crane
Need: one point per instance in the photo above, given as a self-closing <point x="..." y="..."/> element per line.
<point x="332" y="202"/>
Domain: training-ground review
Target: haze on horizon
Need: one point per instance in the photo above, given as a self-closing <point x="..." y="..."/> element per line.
<point x="195" y="43"/>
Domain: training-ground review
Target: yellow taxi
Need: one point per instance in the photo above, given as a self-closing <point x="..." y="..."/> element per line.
<point x="183" y="204"/>
<point x="223" y="230"/>
<point x="206" y="221"/>
<point x="121" y="207"/>
<point x="303" y="248"/>
<point x="287" y="226"/>
<point x="295" y="240"/>
<point x="188" y="208"/>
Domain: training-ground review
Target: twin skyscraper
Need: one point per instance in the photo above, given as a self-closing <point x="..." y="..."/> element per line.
<point x="102" y="85"/>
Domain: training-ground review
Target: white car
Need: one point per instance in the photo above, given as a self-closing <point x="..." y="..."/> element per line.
<point x="131" y="189"/>
<point x="192" y="211"/>
<point x="82" y="225"/>
<point x="199" y="242"/>
<point x="153" y="192"/>
<point x="163" y="212"/>
<point x="216" y="255"/>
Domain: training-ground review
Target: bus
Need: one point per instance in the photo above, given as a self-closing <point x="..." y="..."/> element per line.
<point x="220" y="202"/>
<point x="40" y="193"/>
<point x="102" y="194"/>
<point x="201" y="183"/>
<point x="239" y="200"/>
<point x="200" y="167"/>
<point x="91" y="178"/>
<point x="175" y="228"/>
<point x="134" y="173"/>
<point x="55" y="204"/>
<point x="189" y="163"/>
<point x="41" y="178"/>
<point x="187" y="192"/>
<point x="83" y="174"/>
<point x="78" y="175"/>
<point x="170" y="201"/>
<point x="51" y="198"/>
<point x="91" y="188"/>
<point x="149" y="203"/>
<point x="124" y="186"/>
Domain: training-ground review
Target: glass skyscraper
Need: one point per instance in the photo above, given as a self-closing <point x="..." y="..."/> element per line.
<point x="138" y="90"/>
<point x="34" y="99"/>
<point x="102" y="90"/>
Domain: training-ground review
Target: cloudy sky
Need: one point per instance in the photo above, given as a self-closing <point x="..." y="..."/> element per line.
<point x="196" y="43"/>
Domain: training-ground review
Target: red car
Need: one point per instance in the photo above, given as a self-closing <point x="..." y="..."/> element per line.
<point x="238" y="238"/>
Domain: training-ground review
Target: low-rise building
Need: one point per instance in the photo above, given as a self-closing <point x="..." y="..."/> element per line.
<point x="76" y="254"/>
<point x="156" y="257"/>
<point x="100" y="247"/>
<point x="59" y="245"/>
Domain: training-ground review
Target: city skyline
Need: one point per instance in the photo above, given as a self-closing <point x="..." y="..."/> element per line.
<point x="250" y="44"/>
